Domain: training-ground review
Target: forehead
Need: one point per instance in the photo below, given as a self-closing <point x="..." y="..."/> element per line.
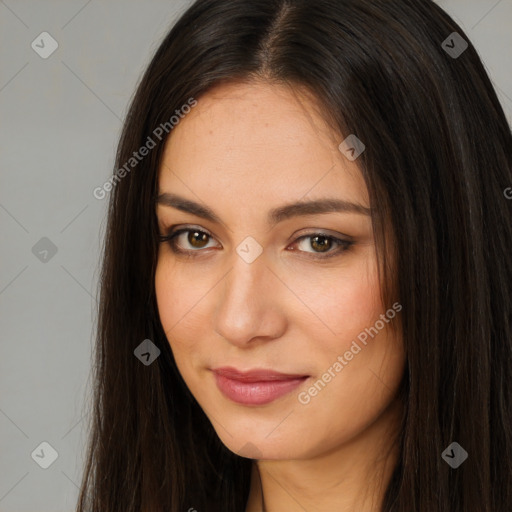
<point x="261" y="140"/>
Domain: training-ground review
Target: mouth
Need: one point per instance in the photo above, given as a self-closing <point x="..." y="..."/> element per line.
<point x="255" y="387"/>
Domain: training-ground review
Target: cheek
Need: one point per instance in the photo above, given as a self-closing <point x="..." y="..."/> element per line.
<point x="169" y="301"/>
<point x="175" y="297"/>
<point x="344" y="301"/>
<point x="357" y="355"/>
<point x="182" y="304"/>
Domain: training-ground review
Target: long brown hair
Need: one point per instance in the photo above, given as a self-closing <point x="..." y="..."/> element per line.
<point x="438" y="158"/>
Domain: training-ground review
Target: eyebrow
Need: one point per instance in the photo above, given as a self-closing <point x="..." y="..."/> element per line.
<point x="276" y="215"/>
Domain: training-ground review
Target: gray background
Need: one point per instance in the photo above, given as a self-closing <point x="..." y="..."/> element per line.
<point x="61" y="118"/>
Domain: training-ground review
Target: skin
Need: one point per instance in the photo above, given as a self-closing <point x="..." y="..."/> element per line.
<point x="244" y="149"/>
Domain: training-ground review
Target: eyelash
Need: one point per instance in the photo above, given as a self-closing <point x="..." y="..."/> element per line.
<point x="343" y="245"/>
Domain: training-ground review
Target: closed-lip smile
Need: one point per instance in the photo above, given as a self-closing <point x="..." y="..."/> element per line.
<point x="257" y="386"/>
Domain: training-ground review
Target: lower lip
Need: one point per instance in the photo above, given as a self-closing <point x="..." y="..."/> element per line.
<point x="256" y="393"/>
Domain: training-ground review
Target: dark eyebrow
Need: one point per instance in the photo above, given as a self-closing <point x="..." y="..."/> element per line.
<point x="326" y="205"/>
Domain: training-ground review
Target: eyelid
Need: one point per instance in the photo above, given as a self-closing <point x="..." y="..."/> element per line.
<point x="320" y="231"/>
<point x="187" y="227"/>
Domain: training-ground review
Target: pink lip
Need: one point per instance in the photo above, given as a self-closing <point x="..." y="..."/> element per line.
<point x="255" y="387"/>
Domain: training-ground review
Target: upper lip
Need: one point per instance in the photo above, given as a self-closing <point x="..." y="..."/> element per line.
<point x="255" y="375"/>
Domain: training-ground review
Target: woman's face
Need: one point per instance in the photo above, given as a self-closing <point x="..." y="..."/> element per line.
<point x="260" y="285"/>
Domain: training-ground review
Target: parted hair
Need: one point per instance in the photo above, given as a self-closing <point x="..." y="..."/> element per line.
<point x="438" y="158"/>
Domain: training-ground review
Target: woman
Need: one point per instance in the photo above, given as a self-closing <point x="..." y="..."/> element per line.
<point x="305" y="298"/>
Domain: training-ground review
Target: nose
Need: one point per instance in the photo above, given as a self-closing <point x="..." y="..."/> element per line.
<point x="250" y="304"/>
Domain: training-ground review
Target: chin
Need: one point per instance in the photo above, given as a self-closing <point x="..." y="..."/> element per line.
<point x="257" y="445"/>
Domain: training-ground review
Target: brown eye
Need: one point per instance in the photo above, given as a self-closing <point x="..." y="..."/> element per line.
<point x="321" y="243"/>
<point x="197" y="238"/>
<point x="187" y="240"/>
